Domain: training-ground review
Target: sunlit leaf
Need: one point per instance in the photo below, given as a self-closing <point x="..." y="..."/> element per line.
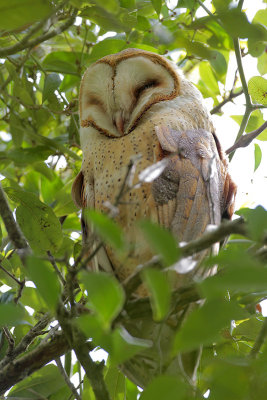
<point x="37" y="220"/>
<point x="257" y="156"/>
<point x="257" y="87"/>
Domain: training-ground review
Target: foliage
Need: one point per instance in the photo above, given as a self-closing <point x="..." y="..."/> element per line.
<point x="44" y="51"/>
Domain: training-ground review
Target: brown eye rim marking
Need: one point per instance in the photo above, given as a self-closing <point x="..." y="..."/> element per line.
<point x="92" y="100"/>
<point x="147" y="85"/>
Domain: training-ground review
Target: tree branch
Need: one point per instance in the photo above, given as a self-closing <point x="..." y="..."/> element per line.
<point x="245" y="140"/>
<point x="17" y="370"/>
<point x="13" y="230"/>
<point x="221" y="232"/>
<point x="26" y="340"/>
<point x="25" y="43"/>
<point x="78" y="343"/>
<point x="229" y="98"/>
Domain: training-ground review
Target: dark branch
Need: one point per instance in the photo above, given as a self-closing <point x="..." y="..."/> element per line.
<point x="18" y="370"/>
<point x="13" y="230"/>
<point x="245" y="140"/>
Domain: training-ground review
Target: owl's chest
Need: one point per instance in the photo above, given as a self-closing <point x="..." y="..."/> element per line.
<point x="110" y="159"/>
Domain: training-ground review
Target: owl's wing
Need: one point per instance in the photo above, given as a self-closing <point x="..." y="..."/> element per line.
<point x="195" y="189"/>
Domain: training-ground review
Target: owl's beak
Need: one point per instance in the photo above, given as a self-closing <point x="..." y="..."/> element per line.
<point x="119" y="122"/>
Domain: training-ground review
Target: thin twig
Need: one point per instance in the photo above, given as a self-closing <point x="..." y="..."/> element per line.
<point x="10" y="340"/>
<point x="27" y="340"/>
<point x="245" y="140"/>
<point x="54" y="264"/>
<point x="67" y="379"/>
<point x="229" y="98"/>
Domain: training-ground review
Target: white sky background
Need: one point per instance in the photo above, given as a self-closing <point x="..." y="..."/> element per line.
<point x="252" y="187"/>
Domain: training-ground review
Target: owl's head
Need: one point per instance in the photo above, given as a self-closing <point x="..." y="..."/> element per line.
<point x="118" y="89"/>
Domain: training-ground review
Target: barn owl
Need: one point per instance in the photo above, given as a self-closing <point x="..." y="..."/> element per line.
<point x="138" y="103"/>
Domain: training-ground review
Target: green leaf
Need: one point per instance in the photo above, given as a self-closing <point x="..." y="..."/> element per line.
<point x="45" y="279"/>
<point x="11" y="315"/>
<point x="17" y="13"/>
<point x="255" y="121"/>
<point x="207" y="321"/>
<point x="110" y="5"/>
<point x="167" y="388"/>
<point x="157" y="5"/>
<point x="161" y="241"/>
<point x="160" y="292"/>
<point x="249" y="329"/>
<point x="107" y="46"/>
<point x="256" y="221"/>
<point x="257" y="88"/>
<point x="105" y="295"/>
<point x="28" y="155"/>
<point x="109" y="231"/>
<point x="37" y="220"/>
<point x="262" y="64"/>
<point x="257" y="156"/>
<point x="125" y="346"/>
<point x="64" y="62"/>
<point x="16" y="130"/>
<point x="41" y="384"/>
<point x="208" y="78"/>
<point x="115" y="382"/>
<point x="51" y="84"/>
<point x="221" y="5"/>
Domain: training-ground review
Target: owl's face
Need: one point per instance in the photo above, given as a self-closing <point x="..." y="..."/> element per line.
<point x="117" y="90"/>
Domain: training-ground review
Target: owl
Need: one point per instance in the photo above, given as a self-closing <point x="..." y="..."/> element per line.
<point x="138" y="103"/>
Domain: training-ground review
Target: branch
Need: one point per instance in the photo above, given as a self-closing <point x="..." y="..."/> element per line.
<point x="26" y="340"/>
<point x="25" y="43"/>
<point x="231" y="96"/>
<point x="245" y="140"/>
<point x="77" y="342"/>
<point x="17" y="370"/>
<point x="226" y="228"/>
<point x="13" y="230"/>
<point x="221" y="232"/>
<point x="67" y="379"/>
